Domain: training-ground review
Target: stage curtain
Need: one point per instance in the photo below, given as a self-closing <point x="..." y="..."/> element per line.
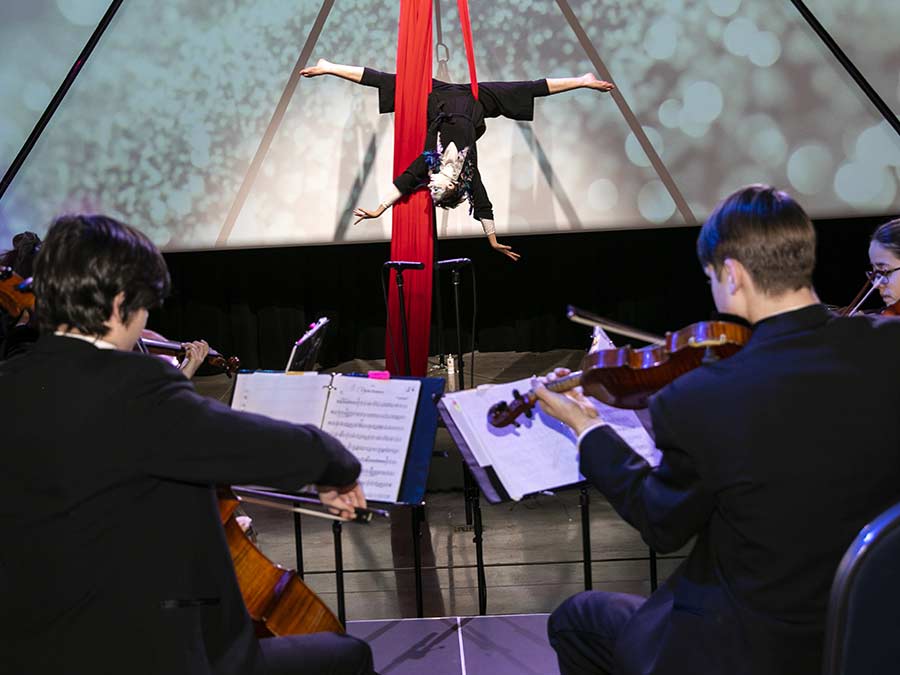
<point x="412" y="225"/>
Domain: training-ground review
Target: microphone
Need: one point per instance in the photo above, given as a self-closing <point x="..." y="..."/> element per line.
<point x="404" y="265"/>
<point x="454" y="262"/>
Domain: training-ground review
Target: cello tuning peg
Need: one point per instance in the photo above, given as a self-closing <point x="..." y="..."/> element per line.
<point x="529" y="413"/>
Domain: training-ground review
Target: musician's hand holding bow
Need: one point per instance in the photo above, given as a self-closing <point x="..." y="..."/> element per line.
<point x="342" y="501"/>
<point x="572" y="408"/>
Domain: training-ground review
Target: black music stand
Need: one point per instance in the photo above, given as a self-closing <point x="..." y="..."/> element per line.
<point x="487" y="482"/>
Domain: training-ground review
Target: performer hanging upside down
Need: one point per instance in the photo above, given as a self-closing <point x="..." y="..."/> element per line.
<point x="456" y="120"/>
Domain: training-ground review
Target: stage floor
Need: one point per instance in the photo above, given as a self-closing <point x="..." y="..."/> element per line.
<point x="480" y="645"/>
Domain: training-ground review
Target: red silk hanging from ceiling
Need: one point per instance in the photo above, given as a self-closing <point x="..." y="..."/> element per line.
<point x="463" y="6"/>
<point x="412" y="226"/>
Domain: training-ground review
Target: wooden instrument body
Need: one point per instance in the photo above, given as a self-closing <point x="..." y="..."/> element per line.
<point x="276" y="598"/>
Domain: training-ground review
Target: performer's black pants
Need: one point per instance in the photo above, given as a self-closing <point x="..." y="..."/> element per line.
<point x="317" y="654"/>
<point x="584" y="629"/>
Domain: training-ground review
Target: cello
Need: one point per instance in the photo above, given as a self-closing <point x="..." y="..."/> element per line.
<point x="278" y="601"/>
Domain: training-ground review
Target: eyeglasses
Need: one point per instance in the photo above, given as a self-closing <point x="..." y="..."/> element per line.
<point x="880" y="276"/>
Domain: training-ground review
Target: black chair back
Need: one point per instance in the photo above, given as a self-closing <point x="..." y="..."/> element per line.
<point x="862" y="635"/>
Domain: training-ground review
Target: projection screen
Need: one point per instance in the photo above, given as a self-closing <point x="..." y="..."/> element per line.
<point x="162" y="123"/>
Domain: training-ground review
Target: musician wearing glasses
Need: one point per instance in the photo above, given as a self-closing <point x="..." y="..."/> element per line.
<point x="884" y="256"/>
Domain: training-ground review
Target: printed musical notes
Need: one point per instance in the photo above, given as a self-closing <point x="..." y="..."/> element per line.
<point x="373" y="418"/>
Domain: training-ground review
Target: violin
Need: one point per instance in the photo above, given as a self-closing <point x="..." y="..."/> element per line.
<point x="278" y="601"/>
<point x="16" y="294"/>
<point x="230" y="364"/>
<point x="626" y="377"/>
<point x="861" y="297"/>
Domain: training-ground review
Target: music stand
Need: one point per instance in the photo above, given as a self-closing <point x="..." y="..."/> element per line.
<point x="306" y="350"/>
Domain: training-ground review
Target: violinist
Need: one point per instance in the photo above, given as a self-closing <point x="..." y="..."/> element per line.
<point x="18" y="331"/>
<point x="770" y="467"/>
<point x="884" y="256"/>
<point x="105" y="440"/>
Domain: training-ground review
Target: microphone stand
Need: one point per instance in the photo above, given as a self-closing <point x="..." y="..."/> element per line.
<point x="460" y="379"/>
<point x="403" y="329"/>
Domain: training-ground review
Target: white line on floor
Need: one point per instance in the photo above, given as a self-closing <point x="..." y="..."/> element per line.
<point x="462" y="652"/>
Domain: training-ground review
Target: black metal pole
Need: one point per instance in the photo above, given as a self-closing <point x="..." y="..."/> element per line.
<point x="479" y="552"/>
<point x="418" y="515"/>
<point x="298" y="541"/>
<point x="848" y="65"/>
<point x="460" y="380"/>
<point x="403" y="330"/>
<point x="60" y="94"/>
<point x="438" y="306"/>
<point x="339" y="571"/>
<point x="585" y="501"/>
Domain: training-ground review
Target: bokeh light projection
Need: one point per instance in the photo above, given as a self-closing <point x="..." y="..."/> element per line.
<point x="40" y="41"/>
<point x="161" y="125"/>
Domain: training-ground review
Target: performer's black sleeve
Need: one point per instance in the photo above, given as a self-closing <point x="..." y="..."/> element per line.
<point x="416" y="174"/>
<point x="514" y="100"/>
<point x="667" y="504"/>
<point x="386" y="84"/>
<point x="483" y="209"/>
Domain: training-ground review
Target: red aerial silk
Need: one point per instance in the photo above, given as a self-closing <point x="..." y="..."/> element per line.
<point x="463" y="6"/>
<point x="412" y="225"/>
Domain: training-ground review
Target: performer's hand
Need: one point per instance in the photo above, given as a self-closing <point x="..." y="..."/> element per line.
<point x="572" y="408"/>
<point x="321" y="68"/>
<point x="590" y="81"/>
<point x="363" y="214"/>
<point x="342" y="501"/>
<point x="194" y="355"/>
<point x="502" y="248"/>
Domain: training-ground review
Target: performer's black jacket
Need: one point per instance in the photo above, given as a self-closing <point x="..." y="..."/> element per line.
<point x="455" y="116"/>
<point x="114" y="559"/>
<point x="773" y="459"/>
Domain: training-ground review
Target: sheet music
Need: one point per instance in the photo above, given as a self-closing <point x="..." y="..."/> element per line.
<point x="374" y="419"/>
<point x="299" y="398"/>
<point x="541" y="453"/>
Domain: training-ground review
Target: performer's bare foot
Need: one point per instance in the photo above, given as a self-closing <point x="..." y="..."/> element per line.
<point x="321" y="68"/>
<point x="590" y="81"/>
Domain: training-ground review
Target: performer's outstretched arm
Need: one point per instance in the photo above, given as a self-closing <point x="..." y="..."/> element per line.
<point x="557" y="85"/>
<point x="323" y="67"/>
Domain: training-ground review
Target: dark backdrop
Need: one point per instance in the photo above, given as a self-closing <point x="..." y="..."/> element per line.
<point x="255" y="303"/>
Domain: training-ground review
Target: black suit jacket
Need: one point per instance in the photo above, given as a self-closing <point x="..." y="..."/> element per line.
<point x="773" y="459"/>
<point x="114" y="560"/>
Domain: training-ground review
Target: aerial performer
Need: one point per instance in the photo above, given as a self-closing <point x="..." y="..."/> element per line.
<point x="448" y="165"/>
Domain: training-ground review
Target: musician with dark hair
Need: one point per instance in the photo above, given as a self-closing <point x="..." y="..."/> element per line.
<point x="106" y="439"/>
<point x="770" y="467"/>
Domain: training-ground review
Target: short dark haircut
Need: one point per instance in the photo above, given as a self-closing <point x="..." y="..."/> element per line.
<point x="767" y="232"/>
<point x="888" y="235"/>
<point x="85" y="262"/>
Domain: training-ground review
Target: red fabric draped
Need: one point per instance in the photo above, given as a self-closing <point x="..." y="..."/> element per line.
<point x="463" y="6"/>
<point x="412" y="226"/>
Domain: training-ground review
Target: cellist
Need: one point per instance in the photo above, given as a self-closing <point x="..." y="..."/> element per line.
<point x="97" y="582"/>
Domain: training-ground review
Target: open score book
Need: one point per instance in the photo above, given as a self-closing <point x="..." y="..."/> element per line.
<point x="373" y="418"/>
<point x="541" y="453"/>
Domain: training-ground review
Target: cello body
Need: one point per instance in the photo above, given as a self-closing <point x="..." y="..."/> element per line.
<point x="278" y="601"/>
